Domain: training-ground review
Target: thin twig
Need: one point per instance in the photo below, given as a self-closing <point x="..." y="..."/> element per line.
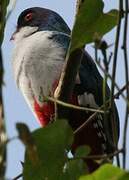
<point x="124" y="47"/>
<point x="74" y="106"/>
<point x="125" y="138"/>
<point x="105" y="97"/>
<point x="115" y="84"/>
<point x="105" y="156"/>
<point x="116" y="48"/>
<point x="121" y="90"/>
<point x="94" y="114"/>
<point x="101" y="156"/>
<point x="113" y="122"/>
<point x="86" y="122"/>
<point x="19" y="176"/>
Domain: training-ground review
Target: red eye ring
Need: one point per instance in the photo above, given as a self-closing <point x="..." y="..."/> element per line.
<point x="29" y="16"/>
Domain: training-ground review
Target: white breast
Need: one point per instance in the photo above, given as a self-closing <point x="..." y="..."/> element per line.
<point x="37" y="63"/>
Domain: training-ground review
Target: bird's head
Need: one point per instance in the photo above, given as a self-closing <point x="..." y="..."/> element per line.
<point x="39" y="19"/>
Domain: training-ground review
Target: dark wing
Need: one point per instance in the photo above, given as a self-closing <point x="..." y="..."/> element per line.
<point x="98" y="133"/>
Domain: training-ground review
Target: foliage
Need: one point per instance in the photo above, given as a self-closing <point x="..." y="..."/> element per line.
<point x="107" y="172"/>
<point x="47" y="153"/>
<point x="91" y="21"/>
<point x="46" y="156"/>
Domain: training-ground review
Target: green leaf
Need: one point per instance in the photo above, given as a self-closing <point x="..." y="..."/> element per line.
<point x="52" y="144"/>
<point x="107" y="172"/>
<point x="74" y="169"/>
<point x="91" y="21"/>
<point x="82" y="151"/>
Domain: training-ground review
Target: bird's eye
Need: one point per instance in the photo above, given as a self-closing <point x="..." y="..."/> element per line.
<point x="28" y="17"/>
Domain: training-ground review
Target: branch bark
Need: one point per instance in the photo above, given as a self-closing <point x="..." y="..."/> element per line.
<point x="3" y="137"/>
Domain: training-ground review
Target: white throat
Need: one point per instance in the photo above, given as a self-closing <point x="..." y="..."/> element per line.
<point x="24" y="32"/>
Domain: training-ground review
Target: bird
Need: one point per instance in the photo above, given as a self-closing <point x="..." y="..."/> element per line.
<point x="41" y="41"/>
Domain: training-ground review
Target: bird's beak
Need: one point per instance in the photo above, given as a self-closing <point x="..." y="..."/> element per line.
<point x="13" y="35"/>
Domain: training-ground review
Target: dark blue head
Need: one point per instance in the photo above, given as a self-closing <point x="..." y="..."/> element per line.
<point x="44" y="19"/>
